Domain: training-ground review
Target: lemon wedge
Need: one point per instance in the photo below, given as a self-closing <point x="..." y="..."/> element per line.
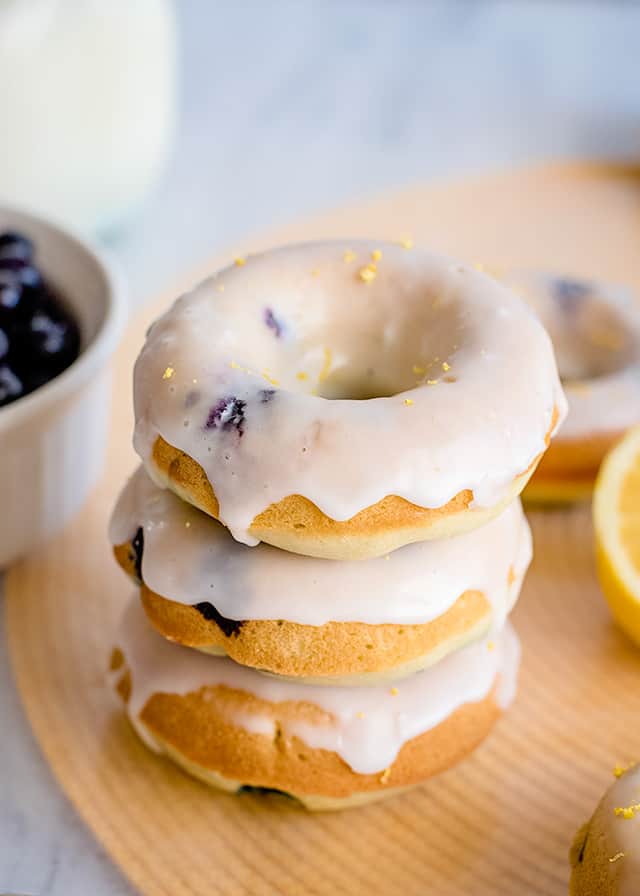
<point x="616" y="517"/>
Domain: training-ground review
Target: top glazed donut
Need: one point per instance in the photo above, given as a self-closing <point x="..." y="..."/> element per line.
<point x="342" y="399"/>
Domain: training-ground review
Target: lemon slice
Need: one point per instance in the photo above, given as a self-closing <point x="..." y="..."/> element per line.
<point x="616" y="517"/>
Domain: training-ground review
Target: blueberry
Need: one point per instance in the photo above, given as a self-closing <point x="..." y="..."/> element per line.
<point x="265" y="791"/>
<point x="10" y="291"/>
<point x="570" y="293"/>
<point x="38" y="337"/>
<point x="33" y="378"/>
<point x="11" y="264"/>
<point x="14" y="245"/>
<point x="44" y="342"/>
<point x="30" y="276"/>
<point x="52" y="338"/>
<point x="137" y="547"/>
<point x="10" y="385"/>
<point x="48" y="334"/>
<point x="227" y="414"/>
<point x="20" y="271"/>
<point x="272" y="322"/>
<point x="228" y="626"/>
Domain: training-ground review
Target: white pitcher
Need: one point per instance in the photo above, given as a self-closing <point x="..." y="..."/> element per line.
<point x="87" y="105"/>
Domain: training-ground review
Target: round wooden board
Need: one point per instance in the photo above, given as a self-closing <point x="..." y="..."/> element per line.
<point x="502" y="822"/>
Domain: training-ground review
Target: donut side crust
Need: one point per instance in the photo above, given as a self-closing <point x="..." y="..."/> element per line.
<point x="199" y="726"/>
<point x="297" y="525"/>
<point x="339" y="650"/>
<point x="568" y="470"/>
<point x="576" y="458"/>
<point x="333" y="650"/>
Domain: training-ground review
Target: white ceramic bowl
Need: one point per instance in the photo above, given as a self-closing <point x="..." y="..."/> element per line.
<point x="52" y="441"/>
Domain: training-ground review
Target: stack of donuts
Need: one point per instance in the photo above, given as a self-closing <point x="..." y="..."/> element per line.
<point x="325" y="530"/>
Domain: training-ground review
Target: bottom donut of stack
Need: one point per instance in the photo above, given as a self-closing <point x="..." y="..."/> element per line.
<point x="327" y="747"/>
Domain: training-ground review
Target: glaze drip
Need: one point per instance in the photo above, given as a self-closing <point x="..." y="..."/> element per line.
<point x="366" y="727"/>
<point x="190" y="558"/>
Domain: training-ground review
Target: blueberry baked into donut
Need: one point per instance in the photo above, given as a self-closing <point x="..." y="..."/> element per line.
<point x="341" y="400"/>
<point x="325" y="531"/>
<point x="327" y="747"/>
<point x="345" y="622"/>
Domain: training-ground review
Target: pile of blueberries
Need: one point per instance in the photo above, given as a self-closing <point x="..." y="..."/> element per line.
<point x="38" y="337"/>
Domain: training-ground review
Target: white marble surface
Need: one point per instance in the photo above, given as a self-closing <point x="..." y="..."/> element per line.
<point x="293" y="105"/>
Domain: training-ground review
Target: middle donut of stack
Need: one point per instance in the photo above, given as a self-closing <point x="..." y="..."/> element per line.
<point x="321" y="621"/>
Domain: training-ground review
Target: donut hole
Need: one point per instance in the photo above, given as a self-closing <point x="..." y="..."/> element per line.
<point x="591" y="336"/>
<point x="391" y="351"/>
<point x="314" y="326"/>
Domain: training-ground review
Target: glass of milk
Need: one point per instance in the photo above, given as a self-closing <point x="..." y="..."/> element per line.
<point x="87" y="106"/>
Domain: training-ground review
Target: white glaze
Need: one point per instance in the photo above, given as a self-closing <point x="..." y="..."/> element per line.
<point x="189" y="558"/>
<point x="351" y="340"/>
<point x="595" y="330"/>
<point x="368" y="726"/>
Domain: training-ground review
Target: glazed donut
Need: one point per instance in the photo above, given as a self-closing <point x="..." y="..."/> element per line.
<point x="351" y="622"/>
<point x="341" y="400"/>
<point x="328" y="747"/>
<point x="605" y="858"/>
<point x="595" y="330"/>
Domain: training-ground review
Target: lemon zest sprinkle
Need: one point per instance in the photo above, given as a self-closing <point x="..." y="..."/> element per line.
<point x="627" y="811"/>
<point x="376" y="255"/>
<point x="418" y="370"/>
<point x="368" y="273"/>
<point x="267" y="376"/>
<point x="326" y="366"/>
<point x="386" y="774"/>
<point x="432" y="382"/>
<point x="446" y="366"/>
<point x="301" y="375"/>
<point x="394" y="692"/>
<point x="618" y="855"/>
<point x="168" y="373"/>
<point x="239" y="261"/>
<point x="406" y="242"/>
<point x="349" y="255"/>
<point x="408" y="402"/>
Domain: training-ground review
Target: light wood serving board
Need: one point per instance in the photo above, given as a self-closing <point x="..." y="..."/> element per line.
<point x="502" y="822"/>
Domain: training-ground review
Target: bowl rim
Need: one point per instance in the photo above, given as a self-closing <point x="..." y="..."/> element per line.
<point x="95" y="354"/>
